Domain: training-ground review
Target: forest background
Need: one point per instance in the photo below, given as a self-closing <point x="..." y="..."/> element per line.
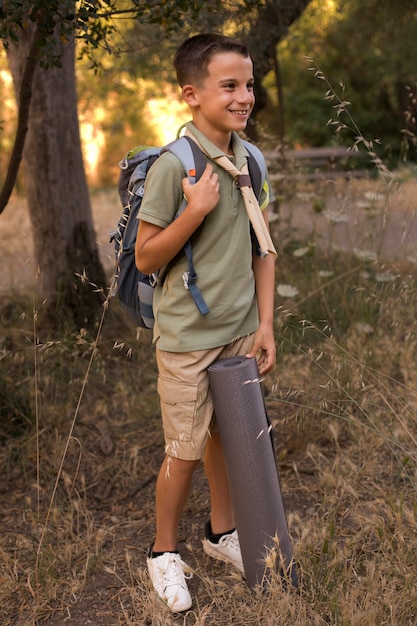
<point x="80" y="438"/>
<point x="125" y="46"/>
<point x="127" y="92"/>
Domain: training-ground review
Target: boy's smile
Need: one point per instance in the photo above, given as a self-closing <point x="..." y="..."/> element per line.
<point x="223" y="101"/>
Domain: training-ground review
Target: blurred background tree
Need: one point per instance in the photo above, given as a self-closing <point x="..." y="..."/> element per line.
<point x="365" y="45"/>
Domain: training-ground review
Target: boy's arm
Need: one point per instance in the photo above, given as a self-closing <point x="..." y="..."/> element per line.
<point x="156" y="246"/>
<point x="264" y="343"/>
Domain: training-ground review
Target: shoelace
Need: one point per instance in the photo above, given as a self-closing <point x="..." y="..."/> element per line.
<point x="232" y="542"/>
<point x="176" y="572"/>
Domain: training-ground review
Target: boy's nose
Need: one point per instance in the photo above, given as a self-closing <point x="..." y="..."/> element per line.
<point x="245" y="95"/>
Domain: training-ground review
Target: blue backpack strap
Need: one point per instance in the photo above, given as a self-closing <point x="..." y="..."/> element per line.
<point x="194" y="163"/>
<point x="191" y="281"/>
<point x="190" y="155"/>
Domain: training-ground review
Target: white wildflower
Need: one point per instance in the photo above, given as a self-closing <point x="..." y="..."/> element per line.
<point x="336" y="217"/>
<point x="364" y="327"/>
<point x="365" y="255"/>
<point x="339" y="249"/>
<point x="384" y="277"/>
<point x="363" y="204"/>
<point x="301" y="251"/>
<point x="287" y="291"/>
<point x="304" y="196"/>
<point x="374" y="196"/>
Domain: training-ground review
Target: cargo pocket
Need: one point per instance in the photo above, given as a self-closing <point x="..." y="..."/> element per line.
<point x="178" y="408"/>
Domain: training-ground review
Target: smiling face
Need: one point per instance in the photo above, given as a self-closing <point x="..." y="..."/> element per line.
<point x="223" y="100"/>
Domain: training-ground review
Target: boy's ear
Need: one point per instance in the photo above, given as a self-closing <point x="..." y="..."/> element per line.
<point x="189" y="95"/>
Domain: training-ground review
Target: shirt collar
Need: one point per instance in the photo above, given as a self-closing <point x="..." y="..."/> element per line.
<point x="239" y="151"/>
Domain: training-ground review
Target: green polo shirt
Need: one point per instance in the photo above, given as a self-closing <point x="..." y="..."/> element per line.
<point x="222" y="255"/>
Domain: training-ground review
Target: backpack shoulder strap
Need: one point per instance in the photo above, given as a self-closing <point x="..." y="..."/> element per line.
<point x="194" y="163"/>
<point x="190" y="155"/>
<point x="257" y="167"/>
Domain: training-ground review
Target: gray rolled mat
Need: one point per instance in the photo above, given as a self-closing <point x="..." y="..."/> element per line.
<point x="251" y="467"/>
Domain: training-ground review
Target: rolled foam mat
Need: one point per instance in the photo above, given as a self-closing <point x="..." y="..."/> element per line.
<point x="251" y="467"/>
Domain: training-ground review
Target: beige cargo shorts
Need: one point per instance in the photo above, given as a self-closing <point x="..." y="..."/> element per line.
<point x="186" y="403"/>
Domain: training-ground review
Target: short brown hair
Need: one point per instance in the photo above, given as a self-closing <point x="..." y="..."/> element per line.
<point x="194" y="55"/>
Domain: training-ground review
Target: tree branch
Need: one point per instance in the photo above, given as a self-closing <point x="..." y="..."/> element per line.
<point x="25" y="96"/>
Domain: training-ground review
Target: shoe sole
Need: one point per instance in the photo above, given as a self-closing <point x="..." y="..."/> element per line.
<point x="165" y="603"/>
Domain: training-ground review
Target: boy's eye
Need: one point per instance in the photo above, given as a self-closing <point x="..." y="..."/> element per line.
<point x="250" y="86"/>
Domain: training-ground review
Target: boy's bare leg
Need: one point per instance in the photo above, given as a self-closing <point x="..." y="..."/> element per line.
<point x="172" y="488"/>
<point x="222" y="518"/>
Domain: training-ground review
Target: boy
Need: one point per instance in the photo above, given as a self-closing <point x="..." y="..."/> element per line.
<point x="216" y="78"/>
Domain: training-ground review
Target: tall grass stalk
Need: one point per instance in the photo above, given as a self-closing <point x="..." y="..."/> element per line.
<point x="341" y="107"/>
<point x="394" y="395"/>
<point x="70" y="437"/>
<point x="37" y="408"/>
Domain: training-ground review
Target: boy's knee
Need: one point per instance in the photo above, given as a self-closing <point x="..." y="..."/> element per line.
<point x="180" y="466"/>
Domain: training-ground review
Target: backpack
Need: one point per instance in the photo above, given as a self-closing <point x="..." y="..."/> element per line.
<point x="134" y="289"/>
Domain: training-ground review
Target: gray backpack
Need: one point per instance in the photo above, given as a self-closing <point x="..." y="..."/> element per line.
<point x="134" y="289"/>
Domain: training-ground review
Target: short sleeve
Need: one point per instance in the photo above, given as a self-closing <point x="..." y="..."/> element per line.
<point x="163" y="191"/>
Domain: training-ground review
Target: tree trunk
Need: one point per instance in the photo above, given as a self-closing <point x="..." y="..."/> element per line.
<point x="280" y="98"/>
<point x="274" y="19"/>
<point x="56" y="187"/>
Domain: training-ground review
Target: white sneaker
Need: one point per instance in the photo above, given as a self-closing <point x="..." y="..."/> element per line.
<point x="228" y="550"/>
<point x="168" y="574"/>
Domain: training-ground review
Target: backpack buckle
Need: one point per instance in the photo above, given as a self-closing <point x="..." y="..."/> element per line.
<point x="185" y="279"/>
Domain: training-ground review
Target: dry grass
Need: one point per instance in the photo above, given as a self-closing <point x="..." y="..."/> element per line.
<point x="342" y="399"/>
